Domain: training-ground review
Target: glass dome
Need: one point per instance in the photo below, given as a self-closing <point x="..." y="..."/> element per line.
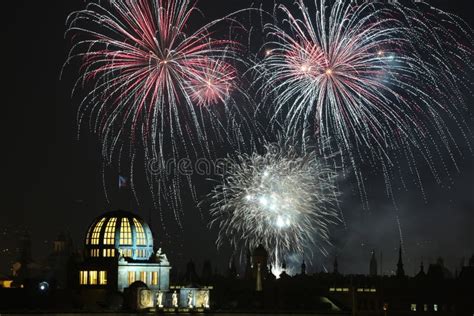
<point x="119" y="233"/>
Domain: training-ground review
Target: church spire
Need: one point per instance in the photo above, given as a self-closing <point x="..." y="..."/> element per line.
<point x="400" y="270"/>
<point x="303" y="268"/>
<point x="421" y="273"/>
<point x="373" y="265"/>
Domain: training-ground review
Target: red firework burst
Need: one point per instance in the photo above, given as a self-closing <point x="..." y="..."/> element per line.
<point x="147" y="72"/>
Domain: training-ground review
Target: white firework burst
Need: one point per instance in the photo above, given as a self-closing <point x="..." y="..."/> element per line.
<point x="283" y="200"/>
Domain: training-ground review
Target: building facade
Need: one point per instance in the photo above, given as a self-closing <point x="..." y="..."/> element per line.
<point x="119" y="256"/>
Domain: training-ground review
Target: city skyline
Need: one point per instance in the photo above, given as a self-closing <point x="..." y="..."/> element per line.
<point x="53" y="181"/>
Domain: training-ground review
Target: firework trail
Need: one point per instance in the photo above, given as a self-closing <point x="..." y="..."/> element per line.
<point x="153" y="84"/>
<point x="282" y="199"/>
<point x="381" y="81"/>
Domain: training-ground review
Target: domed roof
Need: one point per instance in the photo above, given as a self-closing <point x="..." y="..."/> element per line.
<point x="119" y="233"/>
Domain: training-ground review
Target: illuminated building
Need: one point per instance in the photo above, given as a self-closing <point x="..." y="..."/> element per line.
<point x="119" y="256"/>
<point x="119" y="251"/>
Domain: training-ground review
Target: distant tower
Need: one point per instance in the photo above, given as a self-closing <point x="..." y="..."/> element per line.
<point x="259" y="287"/>
<point x="260" y="256"/>
<point x="373" y="265"/>
<point x="400" y="271"/>
<point x="336" y="266"/>
<point x="283" y="274"/>
<point x="422" y="268"/>
<point x="421" y="274"/>
<point x="248" y="266"/>
<point x="303" y="268"/>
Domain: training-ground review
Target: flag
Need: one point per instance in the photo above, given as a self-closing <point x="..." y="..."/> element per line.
<point x="122" y="182"/>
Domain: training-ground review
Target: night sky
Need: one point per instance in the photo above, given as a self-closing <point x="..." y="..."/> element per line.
<point x="51" y="181"/>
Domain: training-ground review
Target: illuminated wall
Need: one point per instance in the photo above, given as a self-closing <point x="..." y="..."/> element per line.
<point x="154" y="275"/>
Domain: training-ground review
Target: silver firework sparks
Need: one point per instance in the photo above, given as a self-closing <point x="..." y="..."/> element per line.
<point x="281" y="199"/>
<point x="381" y="80"/>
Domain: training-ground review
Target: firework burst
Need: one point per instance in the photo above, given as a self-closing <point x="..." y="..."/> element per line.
<point x="281" y="199"/>
<point x="215" y="84"/>
<point x="374" y="78"/>
<point x="152" y="83"/>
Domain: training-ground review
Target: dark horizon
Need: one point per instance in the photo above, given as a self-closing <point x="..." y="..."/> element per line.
<point x="53" y="181"/>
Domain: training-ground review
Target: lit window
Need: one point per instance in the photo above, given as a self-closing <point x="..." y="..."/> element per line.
<point x="425" y="307"/>
<point x="125" y="232"/>
<point x="435" y="307"/>
<point x="141" y="238"/>
<point x="331" y="289"/>
<point x="109" y="236"/>
<point x="103" y="277"/>
<point x="88" y="240"/>
<point x="154" y="278"/>
<point x="413" y="307"/>
<point x="360" y="290"/>
<point x="83" y="277"/>
<point x="141" y="253"/>
<point x="127" y="252"/>
<point x="96" y="232"/>
<point x="339" y="289"/>
<point x="93" y="277"/>
<point x="366" y="290"/>
<point x="143" y="276"/>
<point x="373" y="290"/>
<point x="131" y="277"/>
<point x="345" y="289"/>
<point x="108" y="253"/>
